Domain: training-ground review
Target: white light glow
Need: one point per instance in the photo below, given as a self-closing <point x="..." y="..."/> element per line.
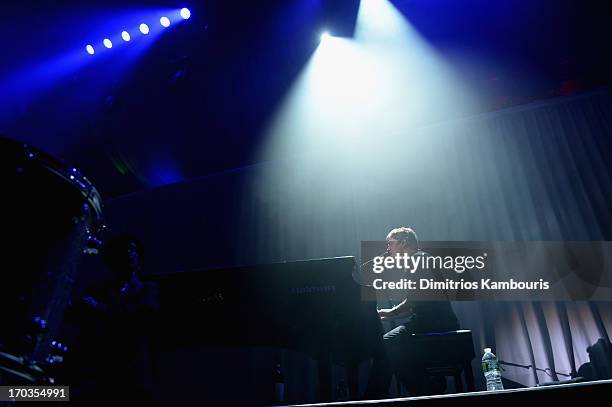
<point x="185" y="13"/>
<point x="385" y="81"/>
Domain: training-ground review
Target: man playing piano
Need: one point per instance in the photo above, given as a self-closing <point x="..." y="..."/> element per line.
<point x="398" y="355"/>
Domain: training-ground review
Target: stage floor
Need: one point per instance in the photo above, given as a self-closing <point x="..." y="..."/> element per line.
<point x="584" y="392"/>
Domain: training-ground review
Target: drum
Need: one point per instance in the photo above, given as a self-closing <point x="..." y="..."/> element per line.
<point x="49" y="212"/>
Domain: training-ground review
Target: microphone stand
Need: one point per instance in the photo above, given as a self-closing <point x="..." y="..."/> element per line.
<point x="546" y="371"/>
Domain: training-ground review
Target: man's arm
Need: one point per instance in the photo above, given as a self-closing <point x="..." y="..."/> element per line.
<point x="401" y="310"/>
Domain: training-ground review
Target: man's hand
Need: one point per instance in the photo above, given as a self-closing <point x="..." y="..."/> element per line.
<point x="402" y="310"/>
<point x="386" y="313"/>
<point x="90" y="302"/>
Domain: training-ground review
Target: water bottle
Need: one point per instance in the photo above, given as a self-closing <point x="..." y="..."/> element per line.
<point x="490" y="368"/>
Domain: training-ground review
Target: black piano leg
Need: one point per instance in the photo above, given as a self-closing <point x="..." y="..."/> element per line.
<point x="352" y="373"/>
<point x="325" y="380"/>
<point x="458" y="383"/>
<point x="469" y="376"/>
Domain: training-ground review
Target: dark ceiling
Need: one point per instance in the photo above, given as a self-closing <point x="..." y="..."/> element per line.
<point x="195" y="101"/>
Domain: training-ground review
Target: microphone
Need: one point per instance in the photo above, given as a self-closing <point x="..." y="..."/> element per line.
<point x="384" y="254"/>
<point x="358" y="273"/>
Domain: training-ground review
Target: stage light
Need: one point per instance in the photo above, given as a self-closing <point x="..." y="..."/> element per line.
<point x="144" y="28"/>
<point x="164" y="21"/>
<point x="107" y="43"/>
<point x="325" y="35"/>
<point x="125" y="35"/>
<point x="185" y="13"/>
<point x="90" y="49"/>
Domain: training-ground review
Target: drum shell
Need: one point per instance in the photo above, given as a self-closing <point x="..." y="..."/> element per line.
<point x="46" y="220"/>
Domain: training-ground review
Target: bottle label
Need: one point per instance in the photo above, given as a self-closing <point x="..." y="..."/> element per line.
<point x="489" y="365"/>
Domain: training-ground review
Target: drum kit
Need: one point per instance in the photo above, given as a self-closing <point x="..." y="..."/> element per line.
<point x="50" y="215"/>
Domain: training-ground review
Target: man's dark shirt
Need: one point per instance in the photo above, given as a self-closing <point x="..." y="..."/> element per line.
<point x="431" y="316"/>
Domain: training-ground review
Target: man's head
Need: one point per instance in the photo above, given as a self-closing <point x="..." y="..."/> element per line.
<point x="123" y="255"/>
<point x="402" y="240"/>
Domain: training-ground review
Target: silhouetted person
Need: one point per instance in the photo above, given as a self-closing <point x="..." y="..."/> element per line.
<point x="116" y="322"/>
<point x="599" y="366"/>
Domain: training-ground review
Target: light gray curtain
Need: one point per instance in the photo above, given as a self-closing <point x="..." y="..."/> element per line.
<point x="536" y="172"/>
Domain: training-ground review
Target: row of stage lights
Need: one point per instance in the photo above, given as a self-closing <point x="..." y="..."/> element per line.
<point x="143" y="28"/>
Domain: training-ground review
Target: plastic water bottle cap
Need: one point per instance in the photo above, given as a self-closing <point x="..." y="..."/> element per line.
<point x="487" y="350"/>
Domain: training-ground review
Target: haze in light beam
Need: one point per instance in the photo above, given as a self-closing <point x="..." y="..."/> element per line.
<point x="354" y="142"/>
<point x="384" y="82"/>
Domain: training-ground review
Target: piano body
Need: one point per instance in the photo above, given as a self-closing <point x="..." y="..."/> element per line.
<point x="311" y="306"/>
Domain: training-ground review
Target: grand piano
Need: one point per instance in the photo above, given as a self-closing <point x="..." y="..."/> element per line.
<point x="312" y="306"/>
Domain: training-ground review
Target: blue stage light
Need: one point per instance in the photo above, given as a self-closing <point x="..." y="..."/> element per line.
<point x="144" y="28"/>
<point x="325" y="35"/>
<point x="125" y="35"/>
<point x="89" y="49"/>
<point x="164" y="21"/>
<point x="107" y="43"/>
<point x="185" y="13"/>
